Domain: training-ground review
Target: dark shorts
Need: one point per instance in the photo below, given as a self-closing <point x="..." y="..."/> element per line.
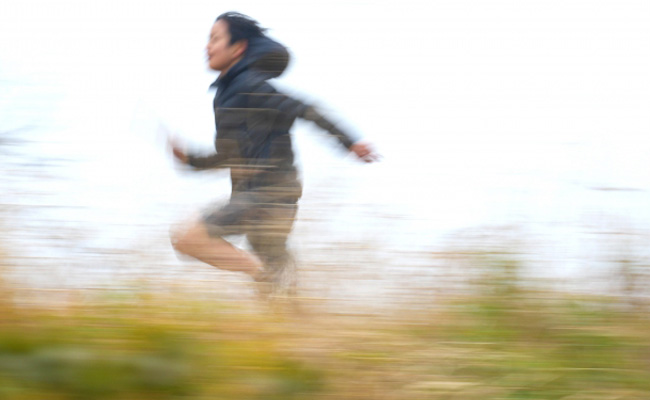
<point x="265" y="219"/>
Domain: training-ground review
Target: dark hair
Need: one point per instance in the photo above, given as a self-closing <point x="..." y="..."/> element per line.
<point x="241" y="26"/>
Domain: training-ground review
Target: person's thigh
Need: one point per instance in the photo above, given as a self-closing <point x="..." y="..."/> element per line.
<point x="269" y="229"/>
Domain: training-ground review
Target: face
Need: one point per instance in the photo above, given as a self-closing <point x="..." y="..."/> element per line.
<point x="221" y="54"/>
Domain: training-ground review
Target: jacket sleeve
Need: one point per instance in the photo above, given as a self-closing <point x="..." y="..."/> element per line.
<point x="269" y="112"/>
<point x="310" y="113"/>
<point x="214" y="160"/>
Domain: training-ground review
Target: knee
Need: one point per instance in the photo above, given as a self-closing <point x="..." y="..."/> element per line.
<point x="176" y="242"/>
<point x="180" y="241"/>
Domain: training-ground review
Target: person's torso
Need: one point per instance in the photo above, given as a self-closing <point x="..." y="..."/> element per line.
<point x="253" y="122"/>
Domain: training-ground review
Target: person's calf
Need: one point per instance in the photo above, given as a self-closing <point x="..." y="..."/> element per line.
<point x="197" y="243"/>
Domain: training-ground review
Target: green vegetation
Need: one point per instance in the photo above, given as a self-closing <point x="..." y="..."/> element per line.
<point x="503" y="341"/>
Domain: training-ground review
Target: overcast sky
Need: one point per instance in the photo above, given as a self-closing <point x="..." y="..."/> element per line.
<point x="507" y="68"/>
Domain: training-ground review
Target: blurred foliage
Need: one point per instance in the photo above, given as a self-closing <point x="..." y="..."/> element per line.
<point x="141" y="349"/>
<point x="503" y="341"/>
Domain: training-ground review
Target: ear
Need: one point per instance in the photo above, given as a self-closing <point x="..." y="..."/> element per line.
<point x="239" y="48"/>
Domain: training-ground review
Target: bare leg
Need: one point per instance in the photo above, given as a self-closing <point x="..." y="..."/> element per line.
<point x="197" y="243"/>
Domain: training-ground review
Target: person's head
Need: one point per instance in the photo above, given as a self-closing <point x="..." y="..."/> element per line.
<point x="229" y="39"/>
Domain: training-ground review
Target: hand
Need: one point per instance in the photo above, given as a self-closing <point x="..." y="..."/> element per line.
<point x="365" y="152"/>
<point x="177" y="151"/>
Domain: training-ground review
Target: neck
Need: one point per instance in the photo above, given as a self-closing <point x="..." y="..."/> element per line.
<point x="232" y="64"/>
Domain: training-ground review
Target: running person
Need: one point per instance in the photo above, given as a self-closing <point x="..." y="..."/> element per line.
<point x="253" y="121"/>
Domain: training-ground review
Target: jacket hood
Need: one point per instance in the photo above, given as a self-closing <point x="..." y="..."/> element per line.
<point x="266" y="56"/>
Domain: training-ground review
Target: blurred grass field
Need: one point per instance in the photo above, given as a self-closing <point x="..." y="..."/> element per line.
<point x="502" y="339"/>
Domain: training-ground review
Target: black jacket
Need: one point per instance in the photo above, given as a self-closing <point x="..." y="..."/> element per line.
<point x="253" y="120"/>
